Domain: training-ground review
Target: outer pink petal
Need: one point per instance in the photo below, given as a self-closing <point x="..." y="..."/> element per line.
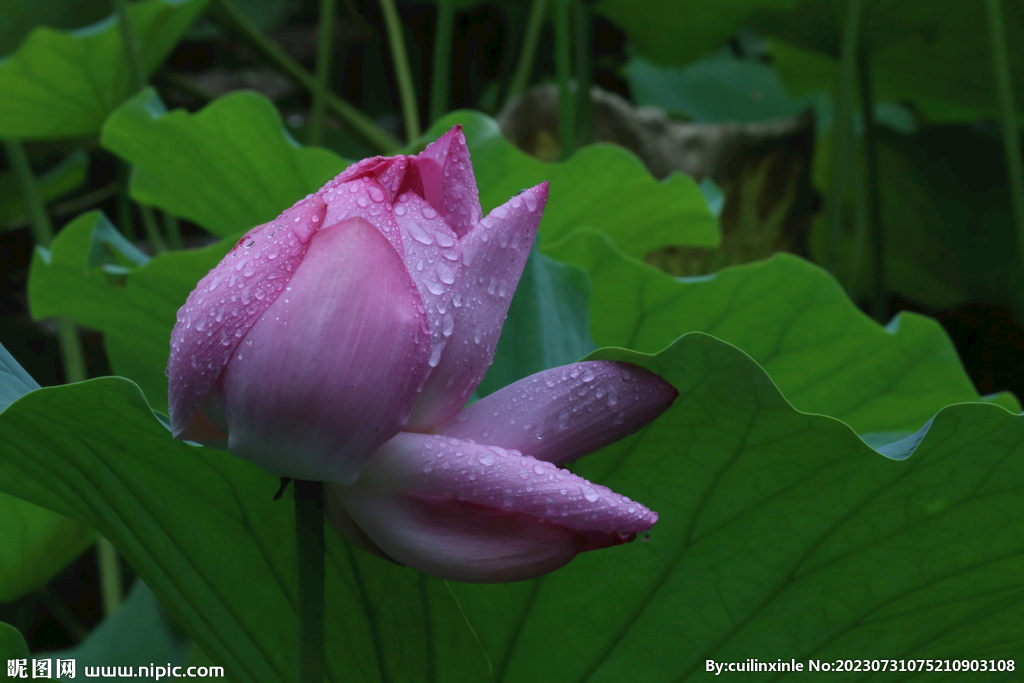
<point x="452" y="539"/>
<point x="562" y="414"/>
<point x="447" y="180"/>
<point x="494" y="254"/>
<point x="463" y="510"/>
<point x="333" y="367"/>
<point x="227" y="302"/>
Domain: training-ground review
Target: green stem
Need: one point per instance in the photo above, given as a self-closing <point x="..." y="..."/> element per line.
<point x="42" y="228"/>
<point x="406" y="90"/>
<point x="156" y="240"/>
<point x="228" y="14"/>
<point x="1008" y="113"/>
<point x="563" y="64"/>
<point x="172" y="226"/>
<point x="843" y="134"/>
<point x="309" y="536"/>
<point x="131" y="45"/>
<point x="879" y="291"/>
<point x="584" y="28"/>
<point x="111" y="588"/>
<point x="524" y="69"/>
<point x="324" y="44"/>
<point x="440" y="80"/>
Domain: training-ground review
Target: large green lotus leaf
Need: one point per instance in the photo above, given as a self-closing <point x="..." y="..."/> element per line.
<point x="37" y="543"/>
<point x="64" y="83"/>
<point x="936" y="53"/>
<point x="202" y="529"/>
<point x="794" y="319"/>
<point x="229" y="167"/>
<point x="933" y="52"/>
<point x="602" y="186"/>
<point x="721" y="87"/>
<point x="671" y="32"/>
<point x="132" y="302"/>
<point x="65" y="177"/>
<point x="781" y="533"/>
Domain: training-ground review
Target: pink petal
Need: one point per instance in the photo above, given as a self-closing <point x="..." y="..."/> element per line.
<point x="388" y="172"/>
<point x="433" y="257"/>
<point x="470" y="512"/>
<point x="229" y="300"/>
<point x="332" y="369"/>
<point x="454" y="540"/>
<point x="447" y="181"/>
<point x="562" y="414"/>
<point x="494" y="255"/>
<point x="364" y="198"/>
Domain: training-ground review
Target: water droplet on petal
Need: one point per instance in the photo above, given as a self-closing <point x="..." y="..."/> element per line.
<point x="486" y="458"/>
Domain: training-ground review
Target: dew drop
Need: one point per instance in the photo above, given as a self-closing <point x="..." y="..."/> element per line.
<point x="486" y="458"/>
<point x="590" y="493"/>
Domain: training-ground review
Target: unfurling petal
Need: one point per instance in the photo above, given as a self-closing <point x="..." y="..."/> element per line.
<point x="562" y="414"/>
<point x="462" y="510"/>
<point x="333" y="367"/>
<point x="227" y="303"/>
<point x="447" y="180"/>
<point x="494" y="254"/>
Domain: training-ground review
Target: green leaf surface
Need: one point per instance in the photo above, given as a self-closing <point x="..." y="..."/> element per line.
<point x="229" y="167"/>
<point x="672" y="33"/>
<point x="12" y="643"/>
<point x="547" y="324"/>
<point x="824" y="354"/>
<point x="61" y="84"/>
<point x="21" y="16"/>
<point x="781" y="533"/>
<point x="601" y="186"/>
<point x="718" y="88"/>
<point x="36" y="543"/>
<point x="82" y="276"/>
<point x="65" y="177"/>
<point x="934" y="52"/>
<point x="139" y="633"/>
<point x="35" y="546"/>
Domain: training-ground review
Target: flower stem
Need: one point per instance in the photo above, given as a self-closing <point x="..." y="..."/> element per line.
<point x="131" y="45"/>
<point x="406" y="90"/>
<point x="440" y="80"/>
<point x="584" y="28"/>
<point x="172" y="226"/>
<point x="843" y="133"/>
<point x="227" y="13"/>
<point x="324" y="43"/>
<point x="524" y="68"/>
<point x="156" y="240"/>
<point x="111" y="588"/>
<point x="563" y="64"/>
<point x="309" y="536"/>
<point x="1008" y="114"/>
<point x="879" y="307"/>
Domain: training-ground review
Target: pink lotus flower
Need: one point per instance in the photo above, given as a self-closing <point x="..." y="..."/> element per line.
<point x="340" y="341"/>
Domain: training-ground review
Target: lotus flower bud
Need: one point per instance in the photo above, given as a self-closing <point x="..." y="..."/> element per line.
<point x="371" y="306"/>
